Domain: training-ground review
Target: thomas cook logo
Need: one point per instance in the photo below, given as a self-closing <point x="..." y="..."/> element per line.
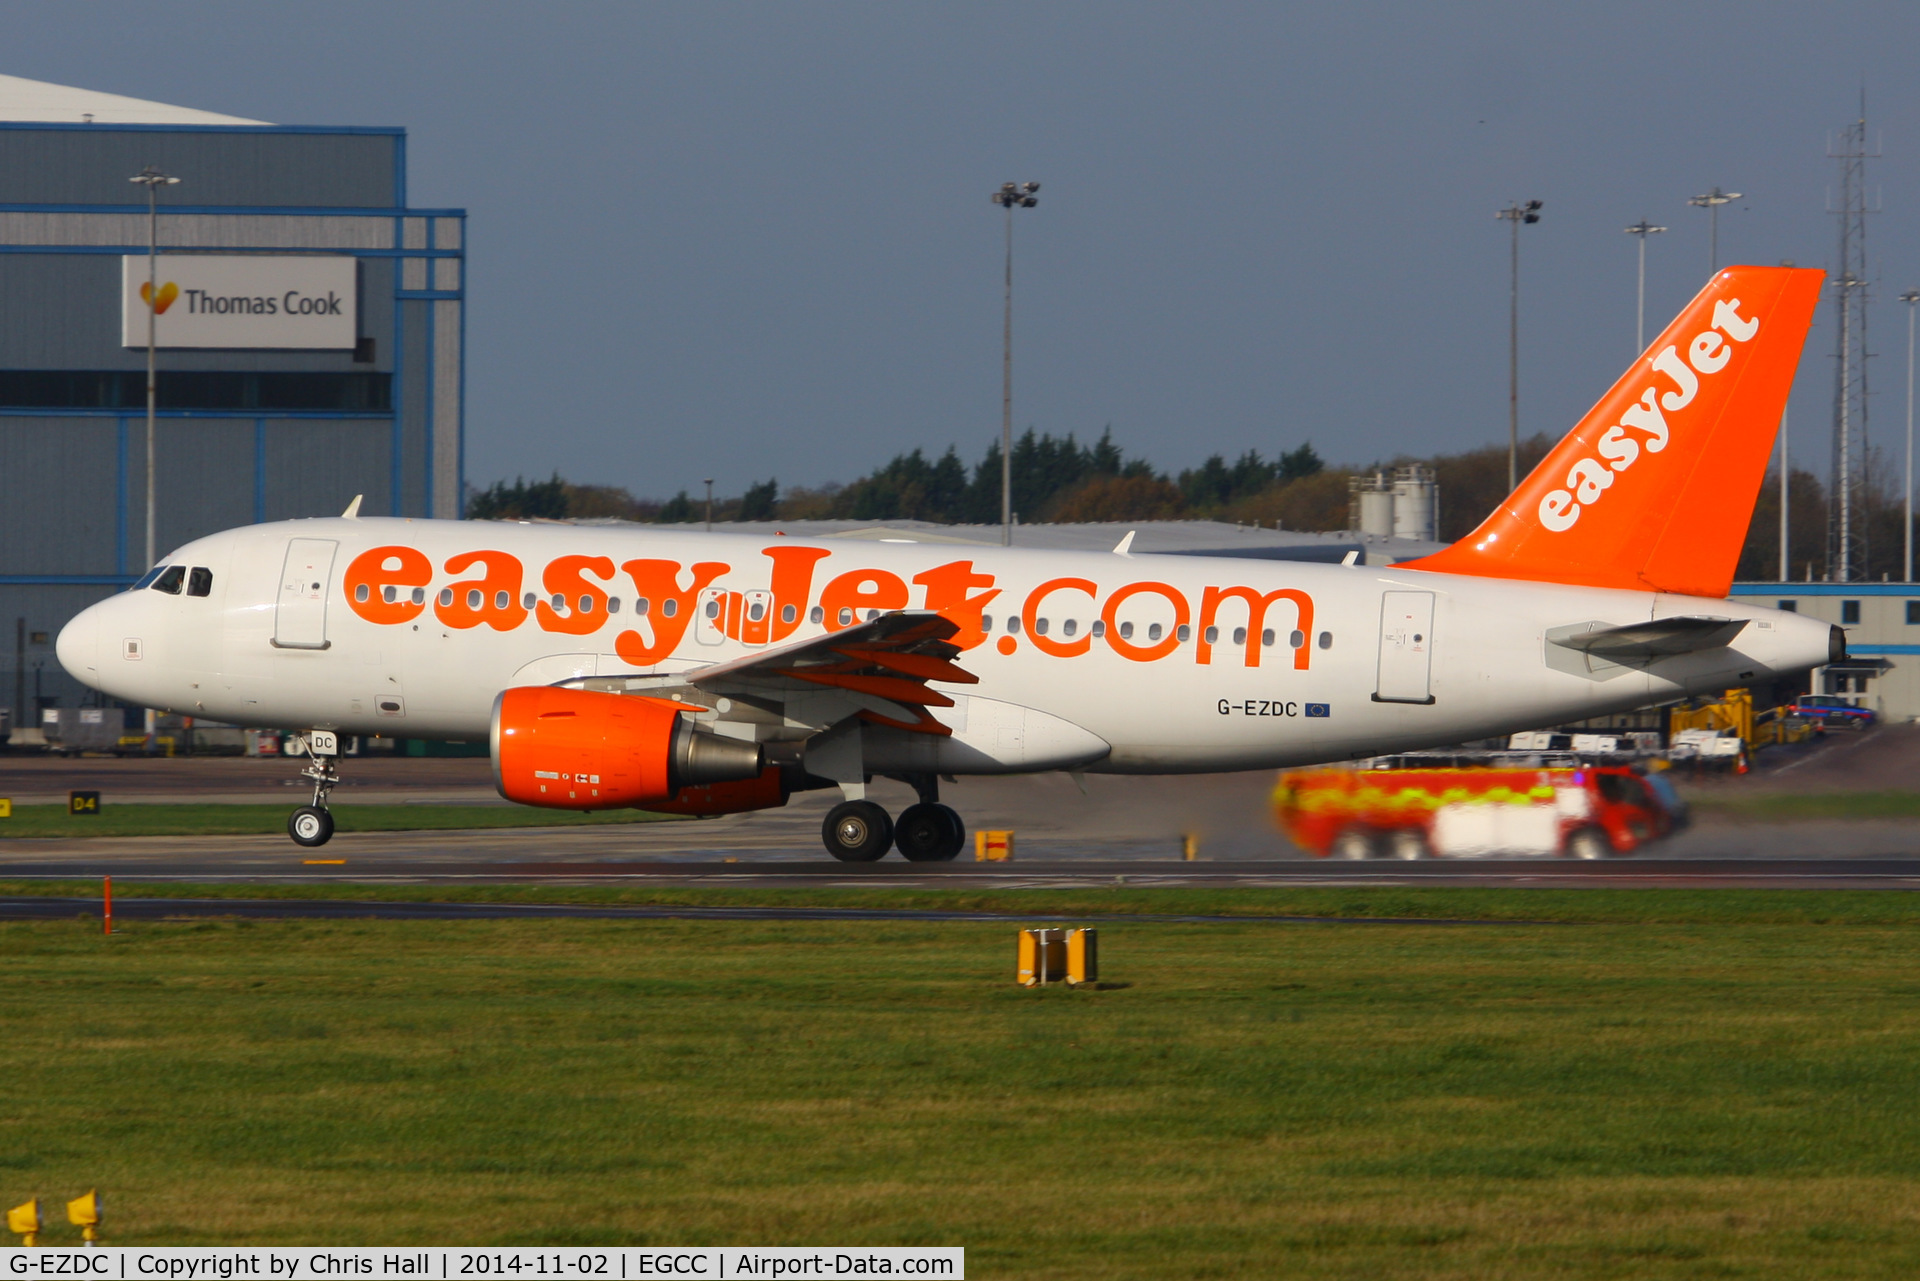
<point x="168" y="292"/>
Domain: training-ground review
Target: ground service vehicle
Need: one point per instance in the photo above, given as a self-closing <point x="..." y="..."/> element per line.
<point x="1835" y="713"/>
<point x="1589" y="812"/>
<point x="714" y="672"/>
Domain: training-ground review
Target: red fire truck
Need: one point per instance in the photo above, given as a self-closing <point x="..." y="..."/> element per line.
<point x="1576" y="812"/>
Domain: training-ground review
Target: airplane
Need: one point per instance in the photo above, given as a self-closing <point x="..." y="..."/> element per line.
<point x="712" y="673"/>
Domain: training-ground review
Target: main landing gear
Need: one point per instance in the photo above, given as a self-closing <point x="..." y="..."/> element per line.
<point x="312" y="825"/>
<point x="929" y="832"/>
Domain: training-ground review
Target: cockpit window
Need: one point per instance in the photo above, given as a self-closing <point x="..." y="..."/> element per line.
<point x="200" y="581"/>
<point x="170" y="579"/>
<point x="146" y="579"/>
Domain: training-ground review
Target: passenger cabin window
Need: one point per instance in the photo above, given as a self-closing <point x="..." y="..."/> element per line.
<point x="1849" y="611"/>
<point x="1790" y="606"/>
<point x="200" y="581"/>
<point x="170" y="579"/>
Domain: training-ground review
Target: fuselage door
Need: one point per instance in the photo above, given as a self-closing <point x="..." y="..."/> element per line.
<point x="300" y="616"/>
<point x="1406" y="648"/>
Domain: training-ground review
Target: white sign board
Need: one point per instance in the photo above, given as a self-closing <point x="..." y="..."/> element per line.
<point x="281" y="301"/>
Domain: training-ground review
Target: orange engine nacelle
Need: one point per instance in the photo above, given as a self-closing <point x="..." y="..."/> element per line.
<point x="578" y="750"/>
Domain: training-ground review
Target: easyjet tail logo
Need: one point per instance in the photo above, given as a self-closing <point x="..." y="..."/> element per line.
<point x="1643" y="427"/>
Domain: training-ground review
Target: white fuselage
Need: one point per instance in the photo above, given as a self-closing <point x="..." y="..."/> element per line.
<point x="284" y="645"/>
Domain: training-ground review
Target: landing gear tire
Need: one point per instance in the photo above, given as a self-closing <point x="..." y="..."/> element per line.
<point x="310" y="826"/>
<point x="857" y="832"/>
<point x="929" y="833"/>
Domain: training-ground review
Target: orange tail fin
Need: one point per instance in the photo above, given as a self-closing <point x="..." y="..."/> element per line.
<point x="1654" y="488"/>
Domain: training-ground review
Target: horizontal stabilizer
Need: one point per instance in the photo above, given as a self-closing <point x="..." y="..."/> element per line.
<point x="1642" y="642"/>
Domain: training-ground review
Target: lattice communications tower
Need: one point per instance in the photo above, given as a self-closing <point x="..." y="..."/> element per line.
<point x="1847" y="545"/>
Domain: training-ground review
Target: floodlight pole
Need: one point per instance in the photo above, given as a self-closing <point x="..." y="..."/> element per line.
<point x="1711" y="202"/>
<point x="152" y="179"/>
<point x="1910" y="297"/>
<point x="1516" y="214"/>
<point x="1011" y="196"/>
<point x="1642" y="229"/>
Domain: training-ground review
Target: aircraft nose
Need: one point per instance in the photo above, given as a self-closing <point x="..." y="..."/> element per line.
<point x="78" y="646"/>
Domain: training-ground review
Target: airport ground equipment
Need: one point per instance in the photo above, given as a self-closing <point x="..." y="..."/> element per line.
<point x="1083" y="957"/>
<point x="1058" y="956"/>
<point x="1042" y="957"/>
<point x="1587" y="812"/>
<point x="993" y="847"/>
<point x="84" y="1213"/>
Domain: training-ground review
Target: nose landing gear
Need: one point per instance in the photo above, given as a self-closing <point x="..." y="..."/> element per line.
<point x="312" y="825"/>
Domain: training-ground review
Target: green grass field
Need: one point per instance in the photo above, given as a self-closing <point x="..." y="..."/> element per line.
<point x="261" y="820"/>
<point x="1688" y="1085"/>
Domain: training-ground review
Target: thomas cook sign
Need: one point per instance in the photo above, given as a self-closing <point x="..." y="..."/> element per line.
<point x="241" y="300"/>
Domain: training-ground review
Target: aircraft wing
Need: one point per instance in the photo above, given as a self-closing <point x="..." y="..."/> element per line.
<point x="1660" y="638"/>
<point x="877" y="670"/>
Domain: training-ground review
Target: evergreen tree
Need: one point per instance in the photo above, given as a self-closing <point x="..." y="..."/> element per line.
<point x="758" y="502"/>
<point x="538" y="500"/>
<point x="1300" y="463"/>
<point x="677" y="510"/>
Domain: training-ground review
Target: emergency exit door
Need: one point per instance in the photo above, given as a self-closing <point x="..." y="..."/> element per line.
<point x="1406" y="648"/>
<point x="300" y="616"/>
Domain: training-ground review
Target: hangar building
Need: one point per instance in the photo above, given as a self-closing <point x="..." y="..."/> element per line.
<point x="310" y="344"/>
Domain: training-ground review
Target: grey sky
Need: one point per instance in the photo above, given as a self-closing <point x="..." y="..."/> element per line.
<point x="754" y="240"/>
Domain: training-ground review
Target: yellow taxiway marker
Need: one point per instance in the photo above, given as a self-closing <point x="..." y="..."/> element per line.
<point x="324" y="862"/>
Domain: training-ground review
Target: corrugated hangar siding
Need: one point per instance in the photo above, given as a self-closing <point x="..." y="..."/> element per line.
<point x="240" y="165"/>
<point x="59" y="480"/>
<point x="314" y="467"/>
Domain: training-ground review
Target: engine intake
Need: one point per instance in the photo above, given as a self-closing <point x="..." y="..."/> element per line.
<point x="576" y="749"/>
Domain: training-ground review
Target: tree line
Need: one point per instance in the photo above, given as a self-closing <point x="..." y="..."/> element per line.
<point x="1059" y="480"/>
<point x="1054" y="479"/>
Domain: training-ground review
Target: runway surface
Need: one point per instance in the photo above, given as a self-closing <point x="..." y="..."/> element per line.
<point x="158" y="909"/>
<point x="1100" y="830"/>
<point x="1058" y="873"/>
